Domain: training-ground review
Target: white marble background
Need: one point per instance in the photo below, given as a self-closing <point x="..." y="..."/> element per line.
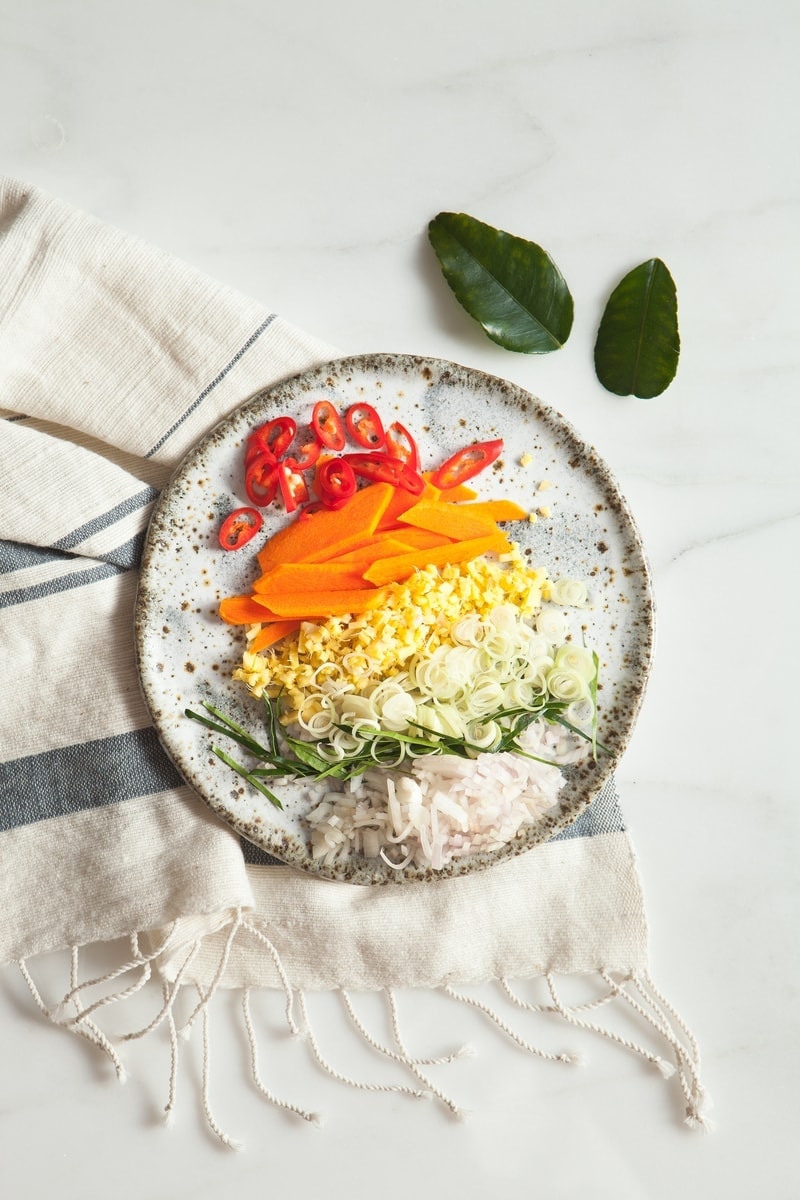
<point x="298" y="152"/>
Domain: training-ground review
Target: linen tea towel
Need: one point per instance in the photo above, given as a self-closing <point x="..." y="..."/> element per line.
<point x="114" y="360"/>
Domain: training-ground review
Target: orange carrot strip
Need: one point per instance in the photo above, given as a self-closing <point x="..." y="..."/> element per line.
<point x="424" y="539"/>
<point x="266" y="612"/>
<point x="495" y="510"/>
<point x="377" y="547"/>
<point x="452" y="520"/>
<point x="461" y="491"/>
<point x="393" y="570"/>
<point x="272" y="633"/>
<point x="241" y="610"/>
<point x="403" y="500"/>
<point x="399" y="502"/>
<point x="308" y="577"/>
<point x="331" y="553"/>
<point x="308" y="606"/>
<point x="325" y="533"/>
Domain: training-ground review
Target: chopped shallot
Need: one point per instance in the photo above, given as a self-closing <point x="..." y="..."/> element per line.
<point x="447" y="807"/>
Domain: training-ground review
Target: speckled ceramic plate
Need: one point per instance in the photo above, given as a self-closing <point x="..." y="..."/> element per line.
<point x="187" y="654"/>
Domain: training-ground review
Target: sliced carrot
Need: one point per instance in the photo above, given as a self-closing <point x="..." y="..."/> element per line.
<point x="377" y="547"/>
<point x="310" y="606"/>
<point x="325" y="554"/>
<point x="452" y="520"/>
<point x="267" y="613"/>
<point x="394" y="570"/>
<point x="460" y="492"/>
<point x="328" y="531"/>
<point x="272" y="633"/>
<point x="241" y="610"/>
<point x="422" y="539"/>
<point x="403" y="500"/>
<point x="399" y="502"/>
<point x="495" y="510"/>
<point x="308" y="577"/>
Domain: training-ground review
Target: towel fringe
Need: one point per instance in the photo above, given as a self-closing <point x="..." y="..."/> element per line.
<point x="313" y="1117"/>
<point x="335" y="1074"/>
<point x="202" y="1007"/>
<point x="169" y="1107"/>
<point x="685" y="1049"/>
<point x="87" y="1029"/>
<point x="252" y="927"/>
<point x="568" y="1015"/>
<point x="428" y="1084"/>
<point x="205" y="997"/>
<point x="632" y="992"/>
<point x="76" y="987"/>
<point x="170" y="995"/>
<point x="570" y="1058"/>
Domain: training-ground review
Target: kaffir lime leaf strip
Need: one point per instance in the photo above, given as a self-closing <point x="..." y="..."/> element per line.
<point x="509" y="285"/>
<point x="638" y="343"/>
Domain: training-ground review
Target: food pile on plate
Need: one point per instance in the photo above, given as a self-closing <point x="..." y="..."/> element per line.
<point x="417" y="670"/>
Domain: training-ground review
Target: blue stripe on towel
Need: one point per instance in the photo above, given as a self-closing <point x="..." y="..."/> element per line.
<point x="129" y="554"/>
<point x="218" y="379"/>
<point x="18" y="556"/>
<point x="57" y="783"/>
<point x="104" y="520"/>
<point x="603" y="815"/>
<point x="63" y="583"/>
<point x="257" y="857"/>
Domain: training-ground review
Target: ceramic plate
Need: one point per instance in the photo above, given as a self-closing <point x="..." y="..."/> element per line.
<point x="187" y="654"/>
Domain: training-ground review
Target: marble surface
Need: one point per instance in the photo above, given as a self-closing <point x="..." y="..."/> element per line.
<point x="298" y="152"/>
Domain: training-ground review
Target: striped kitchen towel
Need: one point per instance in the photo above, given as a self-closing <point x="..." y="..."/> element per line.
<point x="115" y="359"/>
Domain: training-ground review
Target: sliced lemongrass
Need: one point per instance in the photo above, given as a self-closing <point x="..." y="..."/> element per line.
<point x="567" y="685"/>
<point x="572" y="592"/>
<point x="572" y="657"/>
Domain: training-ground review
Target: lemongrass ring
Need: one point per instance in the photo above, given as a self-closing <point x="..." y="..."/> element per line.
<point x="580" y="713"/>
<point x="553" y="625"/>
<point x="566" y="685"/>
<point x="576" y="658"/>
<point x="572" y="592"/>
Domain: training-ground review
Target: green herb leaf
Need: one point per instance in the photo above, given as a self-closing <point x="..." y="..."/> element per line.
<point x="227" y="727"/>
<point x="510" y="286"/>
<point x="306" y="754"/>
<point x="637" y="347"/>
<point x="248" y="776"/>
<point x="593" y="696"/>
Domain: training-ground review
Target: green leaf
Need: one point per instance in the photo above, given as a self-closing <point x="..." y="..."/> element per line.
<point x="246" y="775"/>
<point x="510" y="286"/>
<point x="227" y="727"/>
<point x="637" y="347"/>
<point x="308" y="757"/>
